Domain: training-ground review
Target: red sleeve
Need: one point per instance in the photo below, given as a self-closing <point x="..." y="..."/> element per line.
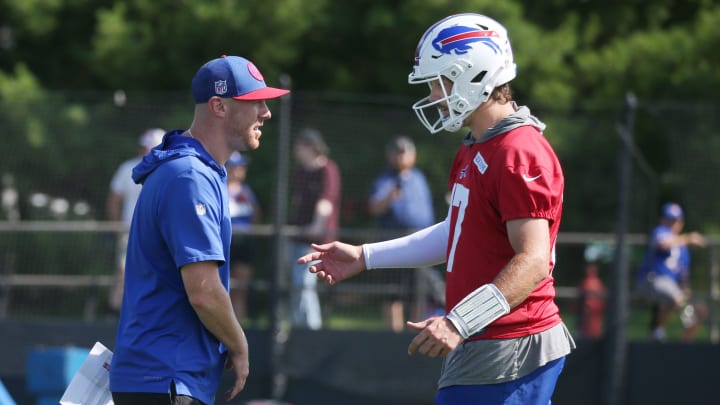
<point x="531" y="182"/>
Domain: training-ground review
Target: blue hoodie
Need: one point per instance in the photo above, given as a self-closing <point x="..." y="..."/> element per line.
<point x="181" y="217"/>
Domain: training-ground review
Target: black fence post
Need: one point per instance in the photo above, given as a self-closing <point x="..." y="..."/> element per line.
<point x="278" y="278"/>
<point x="616" y="331"/>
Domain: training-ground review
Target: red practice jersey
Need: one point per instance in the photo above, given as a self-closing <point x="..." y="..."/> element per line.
<point x="511" y="176"/>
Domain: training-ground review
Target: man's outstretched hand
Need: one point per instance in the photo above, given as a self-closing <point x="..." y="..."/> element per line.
<point x="335" y="261"/>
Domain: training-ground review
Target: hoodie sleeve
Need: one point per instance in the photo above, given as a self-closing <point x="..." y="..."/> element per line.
<point x="192" y="219"/>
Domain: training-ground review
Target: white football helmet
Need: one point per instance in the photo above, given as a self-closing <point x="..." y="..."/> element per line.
<point x="470" y="50"/>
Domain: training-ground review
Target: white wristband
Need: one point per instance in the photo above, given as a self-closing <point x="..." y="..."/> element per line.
<point x="478" y="309"/>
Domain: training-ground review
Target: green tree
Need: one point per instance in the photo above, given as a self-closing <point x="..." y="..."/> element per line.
<point x="576" y="61"/>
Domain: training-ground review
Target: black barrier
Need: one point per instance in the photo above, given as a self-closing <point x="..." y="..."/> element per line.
<point x="371" y="367"/>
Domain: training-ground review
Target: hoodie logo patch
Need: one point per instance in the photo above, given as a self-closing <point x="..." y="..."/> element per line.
<point x="200" y="209"/>
<point x="480" y="163"/>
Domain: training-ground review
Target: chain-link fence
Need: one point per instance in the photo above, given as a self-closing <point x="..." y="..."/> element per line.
<point x="57" y="253"/>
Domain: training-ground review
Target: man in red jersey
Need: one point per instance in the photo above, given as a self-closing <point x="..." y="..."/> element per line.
<point x="502" y="337"/>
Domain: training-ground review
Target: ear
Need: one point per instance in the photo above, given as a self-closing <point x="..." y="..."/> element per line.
<point x="217" y="107"/>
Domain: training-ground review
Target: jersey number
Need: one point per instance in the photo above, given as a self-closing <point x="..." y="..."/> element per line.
<point x="460" y="197"/>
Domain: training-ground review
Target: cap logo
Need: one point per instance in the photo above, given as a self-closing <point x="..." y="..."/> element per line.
<point x="254" y="72"/>
<point x="220" y="87"/>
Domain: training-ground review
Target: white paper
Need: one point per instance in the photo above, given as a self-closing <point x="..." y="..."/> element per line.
<point x="91" y="384"/>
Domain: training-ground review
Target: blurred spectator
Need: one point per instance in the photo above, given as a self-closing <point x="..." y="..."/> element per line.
<point x="663" y="278"/>
<point x="244" y="212"/>
<point x="400" y="196"/>
<point x="591" y="309"/>
<point x="121" y="204"/>
<point x="400" y="199"/>
<point x="592" y="303"/>
<point x="315" y="208"/>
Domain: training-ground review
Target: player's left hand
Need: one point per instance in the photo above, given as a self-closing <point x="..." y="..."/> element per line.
<point x="239" y="362"/>
<point x="437" y="337"/>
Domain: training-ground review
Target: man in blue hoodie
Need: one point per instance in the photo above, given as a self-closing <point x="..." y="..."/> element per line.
<point x="177" y="327"/>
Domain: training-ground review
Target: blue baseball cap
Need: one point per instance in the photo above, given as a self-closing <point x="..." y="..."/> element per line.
<point x="231" y="77"/>
<point x="672" y="211"/>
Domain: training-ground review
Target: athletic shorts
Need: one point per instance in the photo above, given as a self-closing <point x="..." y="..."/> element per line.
<point x="535" y="388"/>
<point x="661" y="289"/>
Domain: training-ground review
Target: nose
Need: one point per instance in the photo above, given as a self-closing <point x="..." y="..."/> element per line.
<point x="265" y="111"/>
<point x="436" y="91"/>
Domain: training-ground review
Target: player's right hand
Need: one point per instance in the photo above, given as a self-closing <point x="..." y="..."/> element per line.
<point x="335" y="261"/>
<point x="437" y="337"/>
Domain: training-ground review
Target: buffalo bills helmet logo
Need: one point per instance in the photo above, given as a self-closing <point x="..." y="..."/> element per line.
<point x="458" y="38"/>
